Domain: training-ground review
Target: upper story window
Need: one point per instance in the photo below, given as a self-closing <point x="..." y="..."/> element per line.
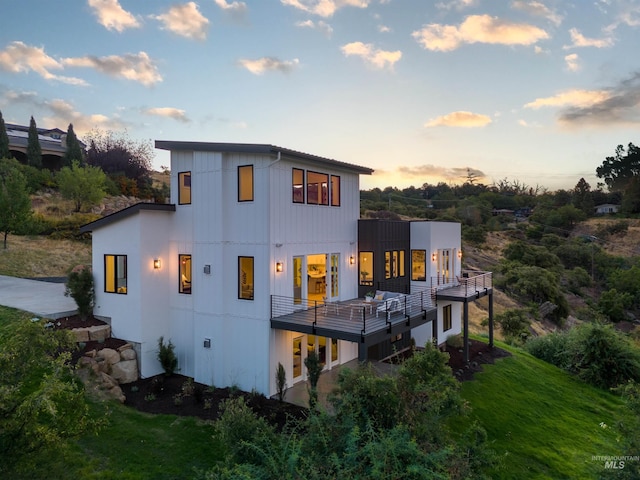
<point x="335" y="191"/>
<point x="446" y="318"/>
<point x="298" y="185"/>
<point x="184" y="188"/>
<point x="115" y="273"/>
<point x="184" y="262"/>
<point x="394" y="264"/>
<point x="317" y="188"/>
<point x="245" y="183"/>
<point x="366" y="268"/>
<point x="245" y="278"/>
<point x="419" y="265"/>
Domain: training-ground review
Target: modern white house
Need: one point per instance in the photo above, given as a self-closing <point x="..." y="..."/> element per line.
<point x="261" y="257"/>
<point x="606" y="208"/>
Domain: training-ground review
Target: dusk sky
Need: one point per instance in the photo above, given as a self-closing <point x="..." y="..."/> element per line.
<point x="535" y="91"/>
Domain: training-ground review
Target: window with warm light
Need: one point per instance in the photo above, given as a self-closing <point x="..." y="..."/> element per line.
<point x="245" y="278"/>
<point x="185" y="273"/>
<point x="298" y="185"/>
<point x="115" y="274"/>
<point x="184" y="188"/>
<point x="317" y="188"/>
<point x="245" y="183"/>
<point x="366" y="268"/>
<point x="419" y="265"/>
<point x="335" y="191"/>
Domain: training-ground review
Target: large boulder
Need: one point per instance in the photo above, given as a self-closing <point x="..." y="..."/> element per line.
<point x="125" y="371"/>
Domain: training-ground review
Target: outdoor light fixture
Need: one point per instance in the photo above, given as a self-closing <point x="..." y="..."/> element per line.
<point x="459" y="253"/>
<point x="434" y="257"/>
<point x="278" y="266"/>
<point x="156" y="263"/>
<point x="352" y="260"/>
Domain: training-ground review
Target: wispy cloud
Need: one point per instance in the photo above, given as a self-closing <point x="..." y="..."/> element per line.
<point x="572" y="62"/>
<point x="477" y="29"/>
<point x="619" y="105"/>
<point x="185" y="20"/>
<point x="137" y="67"/>
<point x="320" y="26"/>
<point x="169" y="112"/>
<point x="576" y="97"/>
<point x="372" y="56"/>
<point x="439" y="173"/>
<point x="268" y="64"/>
<point x="234" y="8"/>
<point x="21" y="58"/>
<point x="324" y="8"/>
<point x="537" y="9"/>
<point x="112" y="16"/>
<point x="456" y="4"/>
<point x="578" y="40"/>
<point x="459" y="119"/>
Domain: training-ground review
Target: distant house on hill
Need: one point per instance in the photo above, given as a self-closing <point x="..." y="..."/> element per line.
<point x="53" y="143"/>
<point x="606" y="208"/>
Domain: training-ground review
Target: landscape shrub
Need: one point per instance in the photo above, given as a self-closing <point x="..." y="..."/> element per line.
<point x="551" y="348"/>
<point x="614" y="304"/>
<point x="80" y="287"/>
<point x="514" y="324"/>
<point x="281" y="382"/>
<point x="167" y="356"/>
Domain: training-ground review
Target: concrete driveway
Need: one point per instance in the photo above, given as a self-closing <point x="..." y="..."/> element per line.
<point x="44" y="299"/>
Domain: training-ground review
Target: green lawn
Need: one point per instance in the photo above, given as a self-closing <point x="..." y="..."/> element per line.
<point x="543" y="422"/>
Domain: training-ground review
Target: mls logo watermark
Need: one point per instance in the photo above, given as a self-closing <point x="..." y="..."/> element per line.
<point x="615" y="462"/>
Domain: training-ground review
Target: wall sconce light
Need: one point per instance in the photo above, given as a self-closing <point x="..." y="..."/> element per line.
<point x="156" y="263"/>
<point x="434" y="257"/>
<point x="278" y="266"/>
<point x="352" y="260"/>
<point x="459" y="253"/>
<point x="207" y="269"/>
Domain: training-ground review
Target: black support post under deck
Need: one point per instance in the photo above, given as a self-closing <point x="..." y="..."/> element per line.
<point x="466" y="331"/>
<point x="491" y="319"/>
<point x="362" y="351"/>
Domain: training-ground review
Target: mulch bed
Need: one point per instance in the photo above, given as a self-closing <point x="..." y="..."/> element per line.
<point x="480" y="353"/>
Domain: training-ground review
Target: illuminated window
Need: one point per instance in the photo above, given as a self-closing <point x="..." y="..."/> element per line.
<point x="115" y="273"/>
<point x="387" y="264"/>
<point x="317" y="188"/>
<point x="245" y="183"/>
<point x="184" y="188"/>
<point x="298" y="185"/>
<point x="245" y="278"/>
<point x="335" y="191"/>
<point x="418" y="265"/>
<point x="185" y="273"/>
<point x="446" y="318"/>
<point x="401" y="263"/>
<point x="366" y="268"/>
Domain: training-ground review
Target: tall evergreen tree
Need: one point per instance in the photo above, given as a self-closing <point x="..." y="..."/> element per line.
<point x="34" y="151"/>
<point x="4" y="140"/>
<point x="74" y="151"/>
<point x="15" y="204"/>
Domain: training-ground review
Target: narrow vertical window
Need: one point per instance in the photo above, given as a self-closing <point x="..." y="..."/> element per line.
<point x="418" y="265"/>
<point x="297" y="280"/>
<point x="184" y="188"/>
<point x="185" y="273"/>
<point x="335" y="261"/>
<point x="395" y="264"/>
<point x="245" y="183"/>
<point x="387" y="264"/>
<point x="298" y="185"/>
<point x="335" y="191"/>
<point x="446" y="318"/>
<point x="366" y="268"/>
<point x="245" y="278"/>
<point x="115" y="273"/>
<point x="401" y="263"/>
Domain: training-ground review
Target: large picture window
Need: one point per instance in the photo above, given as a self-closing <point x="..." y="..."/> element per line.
<point x="245" y="183"/>
<point x="245" y="278"/>
<point x="335" y="191"/>
<point x="185" y="273"/>
<point x="366" y="268"/>
<point x="115" y="274"/>
<point x="446" y="318"/>
<point x="317" y="188"/>
<point x="184" y="188"/>
<point x="418" y="265"/>
<point x="298" y="185"/>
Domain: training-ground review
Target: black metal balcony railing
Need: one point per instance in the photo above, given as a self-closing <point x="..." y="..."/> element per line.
<point x="354" y="316"/>
<point x="467" y="284"/>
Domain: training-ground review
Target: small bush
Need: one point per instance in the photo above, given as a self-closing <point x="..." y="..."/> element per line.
<point x="281" y="382"/>
<point x="167" y="356"/>
<point x="79" y="286"/>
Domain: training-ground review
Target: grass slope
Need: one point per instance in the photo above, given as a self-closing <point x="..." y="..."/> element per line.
<point x="543" y="422"/>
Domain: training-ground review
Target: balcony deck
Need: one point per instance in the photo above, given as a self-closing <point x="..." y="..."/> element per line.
<point x="352" y="320"/>
<point x="471" y="286"/>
